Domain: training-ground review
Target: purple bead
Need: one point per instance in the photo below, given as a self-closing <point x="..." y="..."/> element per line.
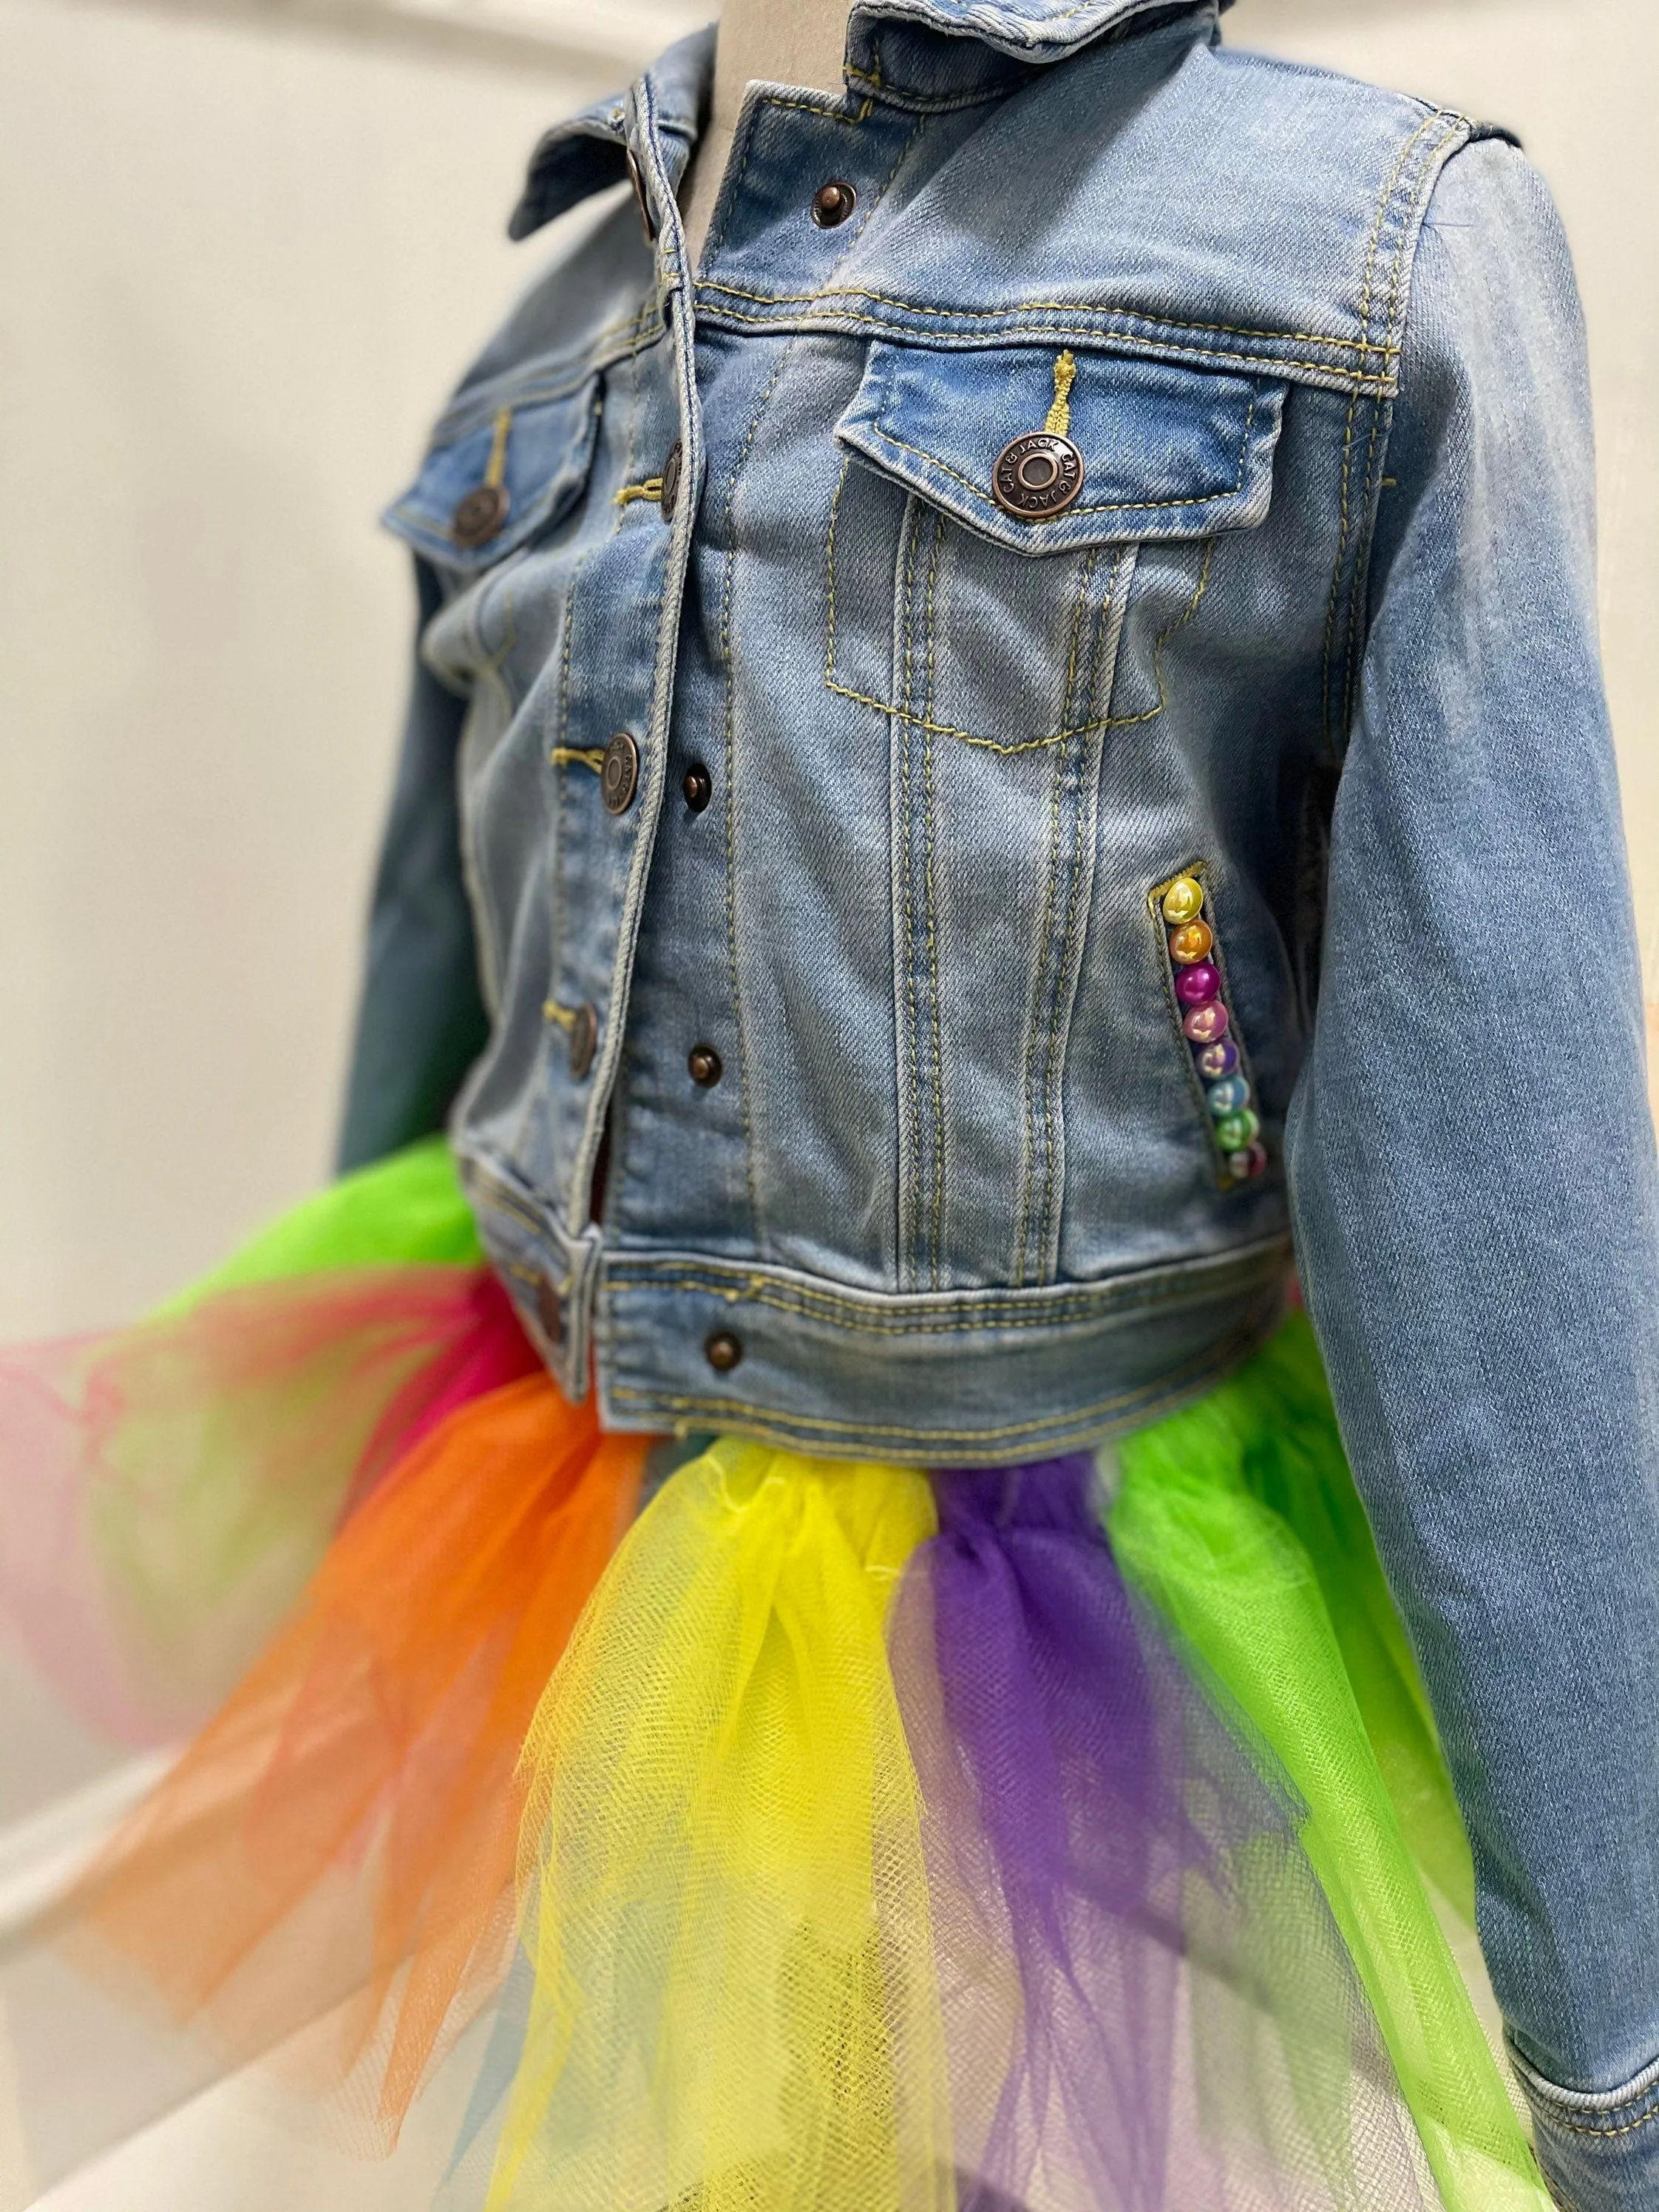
<point x="1218" y="1060"/>
<point x="1195" y="984"/>
<point x="1205" y="1024"/>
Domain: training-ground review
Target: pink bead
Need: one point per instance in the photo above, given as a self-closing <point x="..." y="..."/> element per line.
<point x="1195" y="984"/>
<point x="1250" y="1162"/>
<point x="1205" y="1024"/>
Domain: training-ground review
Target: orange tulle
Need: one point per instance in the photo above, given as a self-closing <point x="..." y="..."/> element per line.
<point x="330" y="1866"/>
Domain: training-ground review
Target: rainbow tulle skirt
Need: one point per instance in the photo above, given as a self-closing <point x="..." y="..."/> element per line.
<point x="741" y="1832"/>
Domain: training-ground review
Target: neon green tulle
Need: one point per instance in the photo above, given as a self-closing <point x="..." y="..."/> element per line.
<point x="408" y="1210"/>
<point x="1238" y="1518"/>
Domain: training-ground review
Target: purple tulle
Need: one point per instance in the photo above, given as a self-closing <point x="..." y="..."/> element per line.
<point x="1147" y="2005"/>
<point x="1054" y="1792"/>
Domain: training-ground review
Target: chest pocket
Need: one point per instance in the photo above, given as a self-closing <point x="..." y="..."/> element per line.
<point x="1009" y="495"/>
<point x="506" y="475"/>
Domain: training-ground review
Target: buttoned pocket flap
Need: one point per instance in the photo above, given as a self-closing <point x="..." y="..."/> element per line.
<point x="510" y="472"/>
<point x="1164" y="450"/>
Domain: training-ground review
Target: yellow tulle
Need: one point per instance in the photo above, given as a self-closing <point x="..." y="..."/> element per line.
<point x="735" y="2004"/>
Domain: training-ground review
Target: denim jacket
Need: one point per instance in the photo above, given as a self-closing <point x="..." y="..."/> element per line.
<point x="1024" y="738"/>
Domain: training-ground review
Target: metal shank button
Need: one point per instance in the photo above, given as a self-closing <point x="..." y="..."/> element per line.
<point x="833" y="202"/>
<point x="670" y="481"/>
<point x="584" y="1039"/>
<point x="1036" y="476"/>
<point x="619" y="775"/>
<point x="723" y="1350"/>
<point x="479" y="513"/>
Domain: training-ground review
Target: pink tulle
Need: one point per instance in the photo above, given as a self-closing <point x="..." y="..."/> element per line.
<point x="167" y="1489"/>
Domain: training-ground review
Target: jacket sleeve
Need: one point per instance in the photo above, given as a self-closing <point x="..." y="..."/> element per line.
<point x="1472" y="1165"/>
<point x="421" y="1020"/>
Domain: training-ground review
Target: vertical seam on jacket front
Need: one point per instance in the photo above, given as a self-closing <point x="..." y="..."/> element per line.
<point x="829" y="573"/>
<point x="937" y="1224"/>
<point x="739" y="1035"/>
<point x="905" y="997"/>
<point x="1088" y="741"/>
<point x="560" y="718"/>
<point x="1035" y="1084"/>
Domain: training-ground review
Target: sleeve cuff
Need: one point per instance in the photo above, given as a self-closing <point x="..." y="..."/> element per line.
<point x="1599" y="2149"/>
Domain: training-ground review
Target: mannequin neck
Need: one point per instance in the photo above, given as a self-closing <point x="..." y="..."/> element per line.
<point x="801" y="42"/>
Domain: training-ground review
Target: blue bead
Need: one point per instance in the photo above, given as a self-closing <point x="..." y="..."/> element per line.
<point x="1226" y="1097"/>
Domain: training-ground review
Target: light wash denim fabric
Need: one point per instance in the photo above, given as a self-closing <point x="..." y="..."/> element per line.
<point x="1320" y="625"/>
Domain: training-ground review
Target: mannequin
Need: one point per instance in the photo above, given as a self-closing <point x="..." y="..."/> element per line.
<point x="800" y="42"/>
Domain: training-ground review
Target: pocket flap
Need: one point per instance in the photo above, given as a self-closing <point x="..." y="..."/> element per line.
<point x="537" y="456"/>
<point x="1167" y="451"/>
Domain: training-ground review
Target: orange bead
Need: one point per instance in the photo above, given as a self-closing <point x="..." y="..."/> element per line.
<point x="1190" y="942"/>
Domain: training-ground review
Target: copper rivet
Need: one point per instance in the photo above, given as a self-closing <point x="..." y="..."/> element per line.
<point x="479" y="514"/>
<point x="619" y="775"/>
<point x="698" y="786"/>
<point x="670" y="481"/>
<point x="1036" y="476"/>
<point x="705" y="1064"/>
<point x="833" y="202"/>
<point x="723" y="1350"/>
<point x="584" y="1039"/>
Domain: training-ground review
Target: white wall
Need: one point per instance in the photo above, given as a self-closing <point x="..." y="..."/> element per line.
<point x="238" y="273"/>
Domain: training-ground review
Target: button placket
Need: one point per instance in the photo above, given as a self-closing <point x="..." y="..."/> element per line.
<point x="641" y="200"/>
<point x="621" y="762"/>
<point x="550" y="1310"/>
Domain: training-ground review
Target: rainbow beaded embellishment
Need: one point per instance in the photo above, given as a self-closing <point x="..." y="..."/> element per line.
<point x="1198" y="987"/>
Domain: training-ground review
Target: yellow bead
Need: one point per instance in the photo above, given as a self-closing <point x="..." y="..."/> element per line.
<point x="1183" y="899"/>
<point x="1190" y="942"/>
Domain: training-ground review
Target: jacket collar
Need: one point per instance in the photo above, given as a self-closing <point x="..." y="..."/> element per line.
<point x="922" y="54"/>
<point x="942" y="53"/>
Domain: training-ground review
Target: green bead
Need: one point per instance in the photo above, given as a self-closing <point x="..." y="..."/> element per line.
<point x="1237" y="1131"/>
